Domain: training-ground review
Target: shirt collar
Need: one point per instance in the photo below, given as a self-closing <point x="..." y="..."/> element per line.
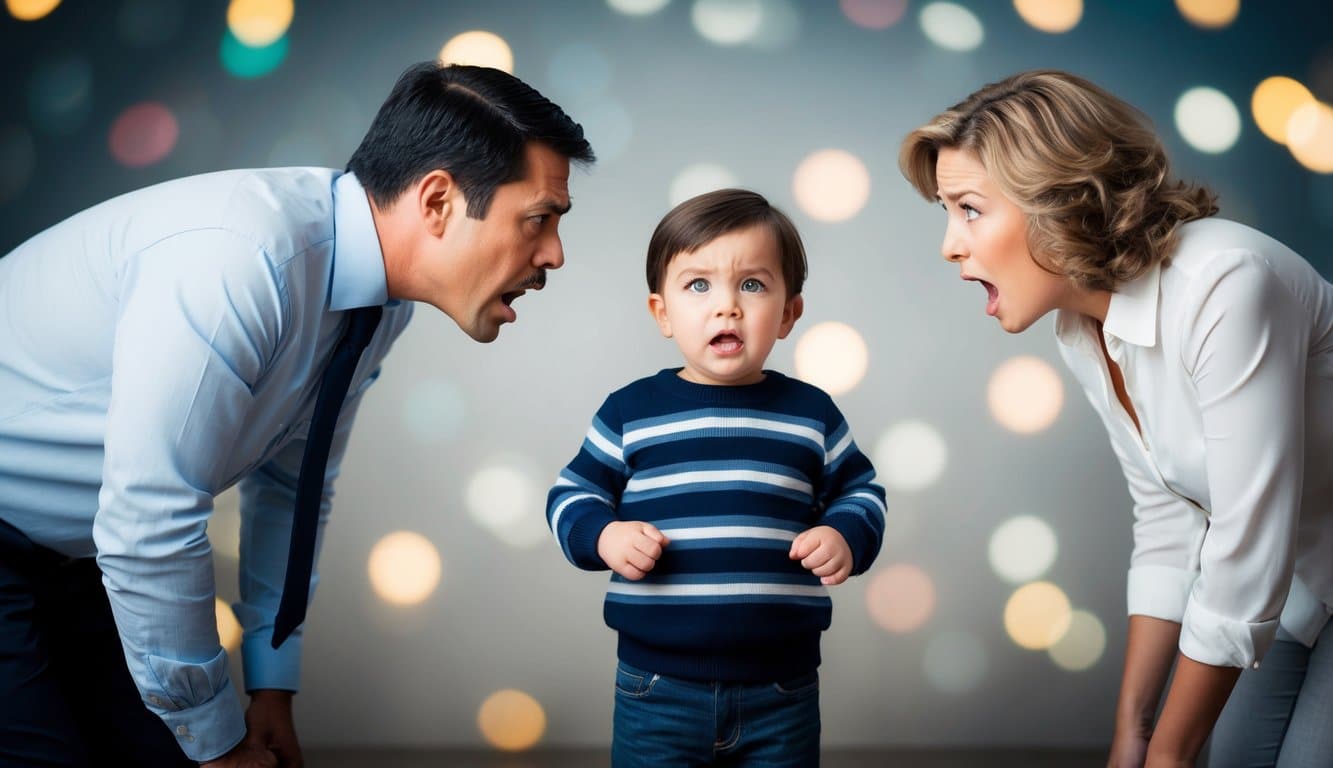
<point x="1131" y="316"/>
<point x="358" y="263"/>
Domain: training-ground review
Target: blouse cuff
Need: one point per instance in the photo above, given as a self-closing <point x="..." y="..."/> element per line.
<point x="1159" y="591"/>
<point x="1210" y="638"/>
<point x="1304" y="615"/>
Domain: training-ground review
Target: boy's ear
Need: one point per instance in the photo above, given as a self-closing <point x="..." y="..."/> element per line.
<point x="657" y="308"/>
<point x="790" y="314"/>
<point x="437" y="197"/>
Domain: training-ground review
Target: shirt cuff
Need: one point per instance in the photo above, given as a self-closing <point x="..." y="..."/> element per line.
<point x="207" y="731"/>
<point x="850" y="522"/>
<point x="1304" y="615"/>
<point x="1159" y="591"/>
<point x="266" y="667"/>
<point x="1214" y="639"/>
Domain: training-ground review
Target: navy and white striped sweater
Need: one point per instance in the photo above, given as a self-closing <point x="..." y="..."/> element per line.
<point x="730" y="475"/>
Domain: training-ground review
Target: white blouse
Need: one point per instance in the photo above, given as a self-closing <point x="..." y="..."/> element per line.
<point x="1227" y="355"/>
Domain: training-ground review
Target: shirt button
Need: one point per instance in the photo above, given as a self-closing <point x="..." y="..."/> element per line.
<point x="155" y="699"/>
<point x="182" y="730"/>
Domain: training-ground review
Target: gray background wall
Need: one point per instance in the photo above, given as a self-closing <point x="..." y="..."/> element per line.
<point x="657" y="97"/>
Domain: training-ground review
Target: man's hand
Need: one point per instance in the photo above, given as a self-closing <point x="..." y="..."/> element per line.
<point x="244" y="755"/>
<point x="268" y="723"/>
<point x="630" y="547"/>
<point x="824" y="552"/>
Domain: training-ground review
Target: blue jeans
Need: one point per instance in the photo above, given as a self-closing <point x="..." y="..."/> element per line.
<point x="667" y="722"/>
<point x="1281" y="713"/>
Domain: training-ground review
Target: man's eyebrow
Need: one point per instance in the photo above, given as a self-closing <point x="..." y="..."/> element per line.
<point x="555" y="206"/>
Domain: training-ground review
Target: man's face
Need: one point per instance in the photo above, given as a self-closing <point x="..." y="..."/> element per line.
<point x="488" y="263"/>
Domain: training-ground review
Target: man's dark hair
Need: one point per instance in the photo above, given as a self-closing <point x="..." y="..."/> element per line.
<point x="474" y="122"/>
<point x="703" y="219"/>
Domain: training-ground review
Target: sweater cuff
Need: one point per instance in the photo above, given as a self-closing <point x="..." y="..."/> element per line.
<point x="1211" y="638"/>
<point x="856" y="533"/>
<point x="1159" y="591"/>
<point x="583" y="536"/>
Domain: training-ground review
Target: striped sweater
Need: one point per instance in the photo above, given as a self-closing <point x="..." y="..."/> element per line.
<point x="730" y="475"/>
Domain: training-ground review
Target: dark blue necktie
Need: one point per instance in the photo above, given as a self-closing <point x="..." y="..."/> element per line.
<point x="361" y="324"/>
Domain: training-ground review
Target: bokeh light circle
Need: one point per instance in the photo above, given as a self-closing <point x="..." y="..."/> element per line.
<point x="1037" y="615"/>
<point x="697" y="179"/>
<point x="900" y="598"/>
<point x="60" y="98"/>
<point x="30" y="10"/>
<point x="832" y="356"/>
<point x="910" y="455"/>
<point x="143" y="135"/>
<point x="1207" y="119"/>
<point x="637" y="7"/>
<point x="259" y="23"/>
<point x="503" y="498"/>
<point x="1082" y="645"/>
<point x="434" y="411"/>
<point x="1054" y="16"/>
<point x="229" y="629"/>
<point x="1209" y="14"/>
<point x="1025" y="394"/>
<point x="1022" y="548"/>
<point x="511" y="720"/>
<point x="955" y="662"/>
<point x="951" y="26"/>
<point x="1310" y="136"/>
<point x="478" y="48"/>
<point x="727" y="22"/>
<point x="404" y="568"/>
<point x="831" y="185"/>
<point x="142" y="23"/>
<point x="224" y="525"/>
<point x="1273" y="103"/>
<point x="874" y="14"/>
<point x="248" y="62"/>
<point x="18" y="159"/>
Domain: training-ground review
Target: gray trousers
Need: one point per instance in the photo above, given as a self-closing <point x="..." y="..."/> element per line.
<point x="1280" y="714"/>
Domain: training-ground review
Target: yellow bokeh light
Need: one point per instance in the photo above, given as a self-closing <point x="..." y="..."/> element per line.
<point x="30" y="10"/>
<point x="1210" y="14"/>
<point x="404" y="568"/>
<point x="1082" y="645"/>
<point x="480" y="49"/>
<point x="1025" y="394"/>
<point x="831" y="185"/>
<point x="229" y="629"/>
<point x="511" y="720"/>
<point x="1310" y="136"/>
<point x="1054" y="16"/>
<point x="1037" y="615"/>
<point x="833" y="357"/>
<point x="900" y="598"/>
<point x="1275" y="100"/>
<point x="259" y="23"/>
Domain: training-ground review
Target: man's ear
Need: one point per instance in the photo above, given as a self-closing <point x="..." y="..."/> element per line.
<point x="790" y="314"/>
<point x="438" y="198"/>
<point x="657" y="308"/>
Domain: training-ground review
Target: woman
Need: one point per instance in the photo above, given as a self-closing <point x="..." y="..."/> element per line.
<point x="1207" y="349"/>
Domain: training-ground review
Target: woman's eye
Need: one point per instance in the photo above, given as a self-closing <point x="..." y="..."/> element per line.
<point x="970" y="213"/>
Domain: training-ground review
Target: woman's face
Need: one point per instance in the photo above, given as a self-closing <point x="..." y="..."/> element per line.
<point x="986" y="237"/>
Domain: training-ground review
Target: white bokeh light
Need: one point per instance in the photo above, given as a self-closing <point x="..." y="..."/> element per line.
<point x="955" y="662"/>
<point x="952" y="26"/>
<point x="910" y="455"/>
<point x="434" y="410"/>
<point x="1082" y="645"/>
<point x="832" y="356"/>
<point x="1025" y="394"/>
<point x="504" y="499"/>
<point x="1207" y="119"/>
<point x="404" y="568"/>
<point x="1022" y="548"/>
<point x="831" y="185"/>
<point x="699" y="178"/>
<point x="1037" y="615"/>
<point x="478" y="48"/>
<point x="637" y="7"/>
<point x="727" y="22"/>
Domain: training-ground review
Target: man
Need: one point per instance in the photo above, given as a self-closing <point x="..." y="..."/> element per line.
<point x="164" y="345"/>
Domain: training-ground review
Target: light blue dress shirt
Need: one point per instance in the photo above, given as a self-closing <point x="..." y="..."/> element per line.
<point x="155" y="350"/>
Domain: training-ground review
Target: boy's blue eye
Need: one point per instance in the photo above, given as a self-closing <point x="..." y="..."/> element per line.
<point x="751" y="285"/>
<point x="697" y="285"/>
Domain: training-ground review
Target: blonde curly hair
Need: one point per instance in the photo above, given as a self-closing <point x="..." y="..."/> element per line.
<point x="1086" y="168"/>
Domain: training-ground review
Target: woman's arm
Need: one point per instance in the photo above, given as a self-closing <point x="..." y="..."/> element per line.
<point x="1149" y="651"/>
<point x="1198" y="692"/>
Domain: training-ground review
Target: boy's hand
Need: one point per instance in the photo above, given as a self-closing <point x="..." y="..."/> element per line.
<point x="824" y="552"/>
<point x="631" y="547"/>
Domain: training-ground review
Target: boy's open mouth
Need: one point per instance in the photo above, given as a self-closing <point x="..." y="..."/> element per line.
<point x="726" y="343"/>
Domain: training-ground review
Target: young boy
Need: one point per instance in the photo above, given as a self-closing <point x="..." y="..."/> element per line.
<point x="725" y="498"/>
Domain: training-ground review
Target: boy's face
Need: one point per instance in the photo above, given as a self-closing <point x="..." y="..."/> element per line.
<point x="726" y="305"/>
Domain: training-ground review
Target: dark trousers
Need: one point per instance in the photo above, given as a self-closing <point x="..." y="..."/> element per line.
<point x="66" y="696"/>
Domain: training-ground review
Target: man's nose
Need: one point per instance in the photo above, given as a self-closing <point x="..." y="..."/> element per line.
<point x="550" y="254"/>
